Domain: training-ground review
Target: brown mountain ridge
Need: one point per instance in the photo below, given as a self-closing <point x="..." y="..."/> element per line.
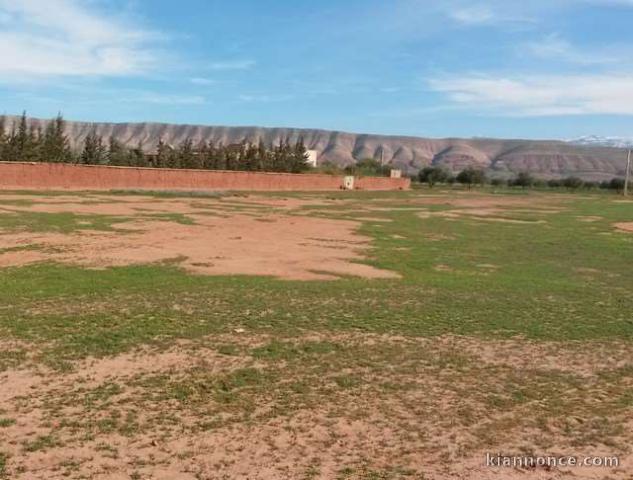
<point x="544" y="158"/>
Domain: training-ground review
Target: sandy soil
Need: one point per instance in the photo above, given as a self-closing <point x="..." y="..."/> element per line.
<point x="432" y="423"/>
<point x="416" y="429"/>
<point x="626" y="226"/>
<point x="220" y="242"/>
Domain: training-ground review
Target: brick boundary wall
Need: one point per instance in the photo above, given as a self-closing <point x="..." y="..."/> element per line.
<point x="62" y="176"/>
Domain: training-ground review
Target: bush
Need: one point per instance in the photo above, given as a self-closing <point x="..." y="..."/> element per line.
<point x="471" y="176"/>
<point x="433" y="175"/>
<point x="616" y="184"/>
<point x="572" y="183"/>
<point x="523" y="179"/>
<point x="369" y="167"/>
<point x="498" y="182"/>
<point x="329" y="168"/>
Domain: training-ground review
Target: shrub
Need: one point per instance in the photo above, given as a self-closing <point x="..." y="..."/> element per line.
<point x="523" y="179"/>
<point x="433" y="175"/>
<point x="572" y="183"/>
<point x="471" y="176"/>
<point x="498" y="182"/>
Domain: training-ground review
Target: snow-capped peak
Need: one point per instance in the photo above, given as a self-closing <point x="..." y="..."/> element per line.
<point x="597" y="140"/>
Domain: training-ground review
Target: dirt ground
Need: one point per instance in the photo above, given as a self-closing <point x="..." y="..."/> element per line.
<point x="255" y="406"/>
<point x="626" y="226"/>
<point x="218" y="238"/>
<point x="430" y="428"/>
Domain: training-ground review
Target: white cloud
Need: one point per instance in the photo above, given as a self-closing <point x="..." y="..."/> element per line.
<point x="556" y="48"/>
<point x="540" y="95"/>
<point x="233" y="65"/>
<point x="265" y="98"/>
<point x="204" y="82"/>
<point x="65" y="37"/>
<point x="163" y="99"/>
<point x="491" y="13"/>
<point x="473" y="15"/>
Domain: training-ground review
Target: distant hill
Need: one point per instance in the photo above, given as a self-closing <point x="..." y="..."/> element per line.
<point x="544" y="158"/>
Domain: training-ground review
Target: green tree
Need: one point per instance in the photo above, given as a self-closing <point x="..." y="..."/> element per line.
<point x="3" y="138"/>
<point x="471" y="176"/>
<point x="433" y="175"/>
<point x="186" y="154"/>
<point x="369" y="167"/>
<point x="94" y="152"/>
<point x="524" y="179"/>
<point x="138" y="157"/>
<point x="22" y="142"/>
<point x="55" y="144"/>
<point x="299" y="157"/>
<point x="163" y="154"/>
<point x="118" y="155"/>
<point x="615" y="184"/>
<point x="572" y="183"/>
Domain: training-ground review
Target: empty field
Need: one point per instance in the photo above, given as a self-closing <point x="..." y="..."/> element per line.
<point x="304" y="336"/>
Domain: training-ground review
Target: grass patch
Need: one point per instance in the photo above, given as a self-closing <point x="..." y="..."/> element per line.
<point x="63" y="222"/>
<point x="42" y="442"/>
<point x="533" y="289"/>
<point x="3" y="465"/>
<point x="6" y="422"/>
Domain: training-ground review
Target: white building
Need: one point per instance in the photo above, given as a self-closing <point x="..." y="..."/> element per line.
<point x="313" y="157"/>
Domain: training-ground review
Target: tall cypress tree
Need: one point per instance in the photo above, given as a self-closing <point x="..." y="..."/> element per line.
<point x="55" y="144"/>
<point x="186" y="154"/>
<point x="94" y="152"/>
<point x="162" y="154"/>
<point x="20" y="141"/>
<point x="299" y="157"/>
<point x="3" y="139"/>
<point x="117" y="155"/>
<point x="138" y="156"/>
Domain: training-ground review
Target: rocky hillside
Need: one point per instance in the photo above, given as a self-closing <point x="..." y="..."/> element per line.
<point x="499" y="157"/>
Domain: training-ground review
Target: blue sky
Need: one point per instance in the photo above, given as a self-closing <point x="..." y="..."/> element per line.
<point x="528" y="69"/>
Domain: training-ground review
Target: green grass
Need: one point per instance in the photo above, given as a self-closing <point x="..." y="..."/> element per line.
<point x="559" y="280"/>
<point x="263" y="348"/>
<point x="63" y="222"/>
<point x="6" y="422"/>
<point x="3" y="465"/>
<point x="42" y="442"/>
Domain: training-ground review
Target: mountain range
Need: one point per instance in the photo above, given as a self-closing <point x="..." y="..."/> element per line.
<point x="587" y="158"/>
<point x="597" y="140"/>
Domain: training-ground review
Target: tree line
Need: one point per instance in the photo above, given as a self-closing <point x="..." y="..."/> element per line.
<point x="29" y="143"/>
<point x="472" y="176"/>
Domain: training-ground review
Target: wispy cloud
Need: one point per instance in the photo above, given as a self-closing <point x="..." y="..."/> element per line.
<point x="233" y="65"/>
<point x="163" y="99"/>
<point x="66" y="38"/>
<point x="204" y="82"/>
<point x="488" y="14"/>
<point x="540" y="95"/>
<point x="473" y="15"/>
<point x="265" y="98"/>
<point x="556" y="48"/>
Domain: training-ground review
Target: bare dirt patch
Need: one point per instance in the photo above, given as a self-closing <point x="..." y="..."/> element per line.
<point x="625" y="226"/>
<point x="291" y="247"/>
<point x="345" y="417"/>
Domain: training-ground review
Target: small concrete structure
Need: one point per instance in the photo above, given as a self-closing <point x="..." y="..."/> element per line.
<point x="348" y="182"/>
<point x="396" y="173"/>
<point x="313" y="157"/>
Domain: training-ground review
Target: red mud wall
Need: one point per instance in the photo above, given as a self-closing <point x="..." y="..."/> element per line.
<point x="382" y="183"/>
<point x="59" y="176"/>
